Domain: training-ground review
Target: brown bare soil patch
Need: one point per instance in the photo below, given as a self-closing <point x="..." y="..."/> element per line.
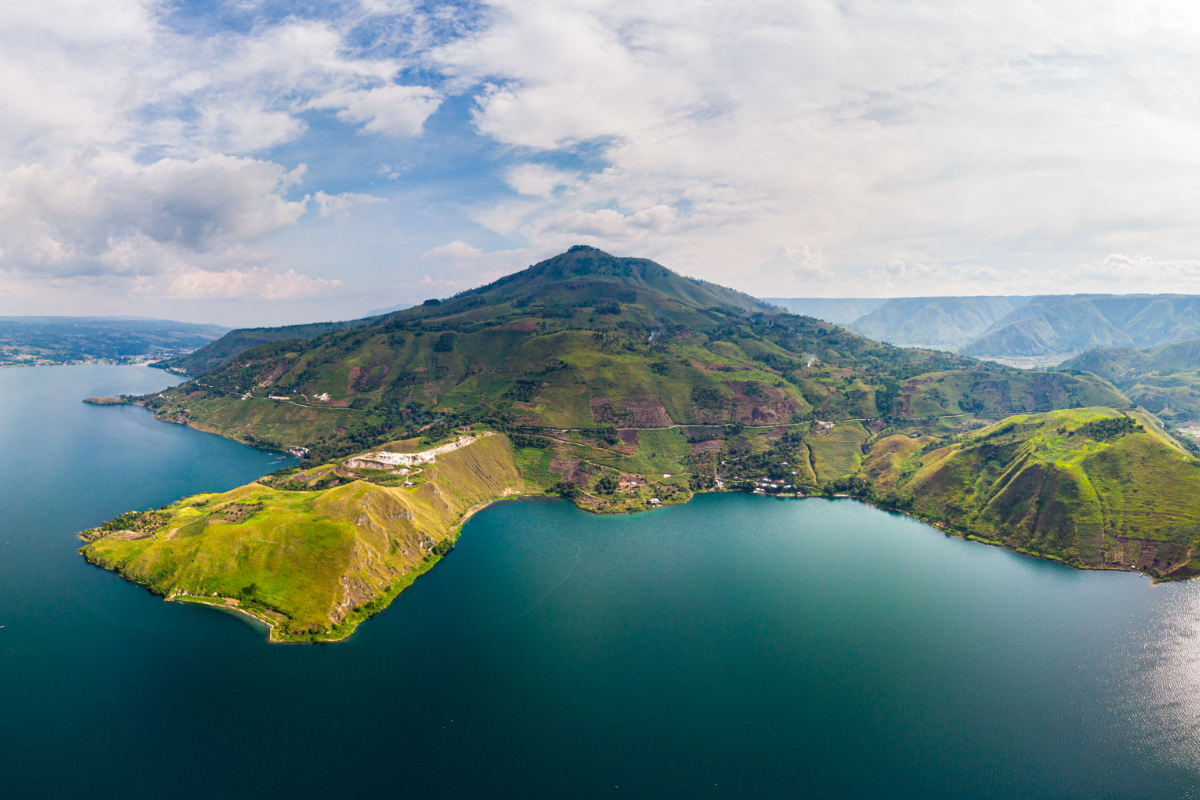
<point x="130" y="536"/>
<point x="711" y="446"/>
<point x="571" y="470"/>
<point x="628" y="437"/>
<point x="628" y="478"/>
<point x="563" y="466"/>
<point x="527" y="325"/>
<point x="768" y="405"/>
<point x="630" y="414"/>
<point x="529" y="421"/>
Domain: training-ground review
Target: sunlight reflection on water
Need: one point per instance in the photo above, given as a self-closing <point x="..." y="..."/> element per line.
<point x="1157" y="685"/>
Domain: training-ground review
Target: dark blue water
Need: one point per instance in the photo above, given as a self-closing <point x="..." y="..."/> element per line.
<point x="734" y="647"/>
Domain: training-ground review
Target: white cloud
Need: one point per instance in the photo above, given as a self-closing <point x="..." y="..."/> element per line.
<point x="463" y="265"/>
<point x="536" y="179"/>
<point x="1140" y="273"/>
<point x="801" y="264"/>
<point x="945" y="133"/>
<point x="339" y="204"/>
<point x="116" y="77"/>
<point x="114" y="217"/>
<point x="613" y="226"/>
<point x="260" y="283"/>
<point x="391" y="109"/>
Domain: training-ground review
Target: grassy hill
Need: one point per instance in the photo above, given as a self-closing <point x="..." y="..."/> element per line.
<point x="1164" y="380"/>
<point x="1091" y="487"/>
<point x="312" y="553"/>
<point x="215" y="353"/>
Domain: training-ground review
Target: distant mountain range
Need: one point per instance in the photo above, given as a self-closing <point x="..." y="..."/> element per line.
<point x="835" y="310"/>
<point x="375" y="312"/>
<point x="1013" y="326"/>
<point x="63" y="340"/>
<point x="1070" y="324"/>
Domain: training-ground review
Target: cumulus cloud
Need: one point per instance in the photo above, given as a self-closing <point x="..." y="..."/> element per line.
<point x="612" y="226"/>
<point x="958" y="133"/>
<point x="1138" y="273"/>
<point x="120" y="218"/>
<point x="463" y="265"/>
<point x="966" y="140"/>
<point x="116" y="77"/>
<point x="536" y="179"/>
<point x="801" y="264"/>
<point x="259" y="283"/>
<point x="391" y="109"/>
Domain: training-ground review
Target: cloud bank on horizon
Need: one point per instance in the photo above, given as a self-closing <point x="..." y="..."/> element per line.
<point x="261" y="162"/>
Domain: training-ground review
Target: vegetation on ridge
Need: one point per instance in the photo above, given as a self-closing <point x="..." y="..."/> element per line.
<point x="621" y="386"/>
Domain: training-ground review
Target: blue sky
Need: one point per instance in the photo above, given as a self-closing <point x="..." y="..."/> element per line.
<point x="263" y="163"/>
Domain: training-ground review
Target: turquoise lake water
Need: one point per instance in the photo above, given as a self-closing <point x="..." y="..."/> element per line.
<point x="735" y="647"/>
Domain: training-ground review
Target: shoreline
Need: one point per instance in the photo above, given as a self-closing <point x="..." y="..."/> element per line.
<point x="219" y="603"/>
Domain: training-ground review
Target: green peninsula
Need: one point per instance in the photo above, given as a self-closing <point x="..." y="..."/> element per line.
<point x="309" y="561"/>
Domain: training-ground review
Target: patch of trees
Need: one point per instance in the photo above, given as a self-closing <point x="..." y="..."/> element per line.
<point x="607" y="484"/>
<point x="566" y="490"/>
<point x="521" y="441"/>
<point x="523" y="390"/>
<point x="707" y="397"/>
<point x="1108" y="429"/>
<point x="146" y="521"/>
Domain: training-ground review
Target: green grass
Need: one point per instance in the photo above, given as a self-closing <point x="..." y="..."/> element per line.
<point x="300" y="547"/>
<point x="1048" y="485"/>
<point x="839" y="451"/>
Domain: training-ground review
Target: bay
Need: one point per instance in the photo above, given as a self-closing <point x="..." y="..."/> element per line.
<point x="734" y="647"/>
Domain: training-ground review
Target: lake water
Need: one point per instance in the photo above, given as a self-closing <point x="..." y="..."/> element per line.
<point x="736" y="647"/>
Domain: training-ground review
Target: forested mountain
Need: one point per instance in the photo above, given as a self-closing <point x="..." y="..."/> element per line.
<point x="586" y="340"/>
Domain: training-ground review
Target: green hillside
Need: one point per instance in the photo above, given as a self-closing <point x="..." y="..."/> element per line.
<point x="623" y="387"/>
<point x="312" y="553"/>
<point x="1092" y="487"/>
<point x="586" y="340"/>
<point x="1164" y="380"/>
<point x="236" y="342"/>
